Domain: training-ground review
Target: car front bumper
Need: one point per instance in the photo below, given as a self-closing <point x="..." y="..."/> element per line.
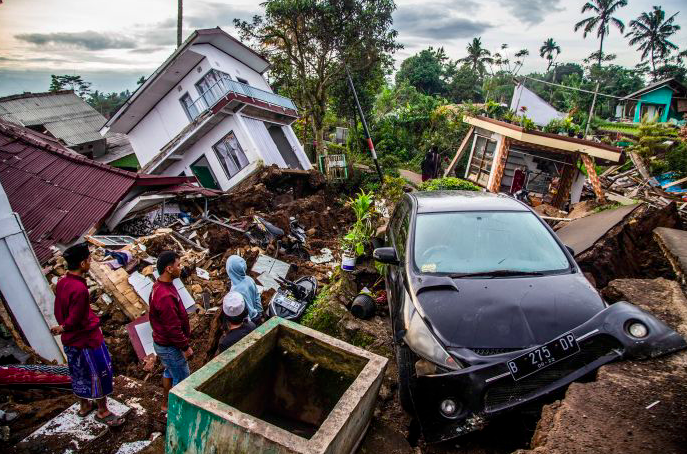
<point x="486" y="388"/>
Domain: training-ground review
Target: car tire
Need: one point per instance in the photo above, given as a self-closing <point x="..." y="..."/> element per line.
<point x="405" y="361"/>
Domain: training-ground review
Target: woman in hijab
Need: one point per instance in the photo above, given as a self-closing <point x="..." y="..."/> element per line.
<point x="245" y="285"/>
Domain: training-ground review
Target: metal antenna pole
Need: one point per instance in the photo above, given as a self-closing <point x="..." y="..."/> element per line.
<point x="367" y="132"/>
<point x="180" y="15"/>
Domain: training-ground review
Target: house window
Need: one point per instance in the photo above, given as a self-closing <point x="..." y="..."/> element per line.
<point x="230" y="154"/>
<point x="190" y="107"/>
<point x="479" y="167"/>
<point x="212" y="86"/>
<point x="243" y="81"/>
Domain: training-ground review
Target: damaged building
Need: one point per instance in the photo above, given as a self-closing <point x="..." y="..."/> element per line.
<point x="66" y="117"/>
<point x="208" y="111"/>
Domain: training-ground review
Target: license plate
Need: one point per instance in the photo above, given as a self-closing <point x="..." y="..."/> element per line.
<point x="543" y="356"/>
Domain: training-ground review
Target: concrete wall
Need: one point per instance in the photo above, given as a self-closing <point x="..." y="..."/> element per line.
<point x="24" y="287"/>
<point x="168" y="117"/>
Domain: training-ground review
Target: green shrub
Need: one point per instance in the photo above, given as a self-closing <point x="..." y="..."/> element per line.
<point x="448" y="183"/>
<point x="335" y="148"/>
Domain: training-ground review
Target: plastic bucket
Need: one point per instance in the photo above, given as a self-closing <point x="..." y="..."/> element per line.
<point x="347" y="263"/>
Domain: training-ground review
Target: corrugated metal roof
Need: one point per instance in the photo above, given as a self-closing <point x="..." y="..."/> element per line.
<point x="60" y="194"/>
<point x="62" y="113"/>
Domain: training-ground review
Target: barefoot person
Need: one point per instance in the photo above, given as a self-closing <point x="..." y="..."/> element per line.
<point x="89" y="361"/>
<point x="169" y="321"/>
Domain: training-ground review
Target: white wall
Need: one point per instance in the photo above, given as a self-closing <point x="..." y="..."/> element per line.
<point x="168" y="117"/>
<point x="540" y="111"/>
<point x="24" y="286"/>
<point x="204" y="146"/>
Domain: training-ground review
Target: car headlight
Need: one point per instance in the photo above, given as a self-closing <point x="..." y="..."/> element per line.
<point x="422" y="341"/>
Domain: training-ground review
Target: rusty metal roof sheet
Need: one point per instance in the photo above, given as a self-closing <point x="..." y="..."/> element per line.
<point x="60" y="194"/>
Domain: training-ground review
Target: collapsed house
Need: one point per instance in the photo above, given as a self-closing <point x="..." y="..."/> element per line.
<point x="76" y="125"/>
<point x="53" y="198"/>
<point x="665" y="100"/>
<point x="208" y="111"/>
<point x="504" y="157"/>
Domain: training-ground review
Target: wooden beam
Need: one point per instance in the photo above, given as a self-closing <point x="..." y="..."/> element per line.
<point x="500" y="163"/>
<point x="593" y="177"/>
<point x="459" y="153"/>
<point x="673" y="183"/>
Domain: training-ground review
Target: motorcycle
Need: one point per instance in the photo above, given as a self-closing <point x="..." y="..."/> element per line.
<point x="263" y="233"/>
<point x="292" y="298"/>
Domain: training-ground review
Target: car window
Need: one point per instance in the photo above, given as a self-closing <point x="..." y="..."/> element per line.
<point x="402" y="237"/>
<point x="473" y="242"/>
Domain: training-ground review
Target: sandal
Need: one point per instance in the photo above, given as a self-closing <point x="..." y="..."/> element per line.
<point x="110" y="420"/>
<point x="90" y="410"/>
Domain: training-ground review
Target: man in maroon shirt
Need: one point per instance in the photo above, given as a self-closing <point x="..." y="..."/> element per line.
<point x="89" y="361"/>
<point x="169" y="321"/>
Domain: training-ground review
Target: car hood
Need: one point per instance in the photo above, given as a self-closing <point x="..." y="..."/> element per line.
<point x="506" y="312"/>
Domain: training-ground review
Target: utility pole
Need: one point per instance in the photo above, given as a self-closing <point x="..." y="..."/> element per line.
<point x="367" y="132"/>
<point x="591" y="111"/>
<point x="180" y="15"/>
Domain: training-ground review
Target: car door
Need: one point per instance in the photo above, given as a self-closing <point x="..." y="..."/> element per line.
<point x="396" y="278"/>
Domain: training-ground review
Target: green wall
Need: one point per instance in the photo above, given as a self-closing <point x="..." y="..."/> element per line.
<point x="661" y="97"/>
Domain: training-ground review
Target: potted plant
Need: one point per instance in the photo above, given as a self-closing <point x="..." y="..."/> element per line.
<point x="359" y="235"/>
<point x="492" y="108"/>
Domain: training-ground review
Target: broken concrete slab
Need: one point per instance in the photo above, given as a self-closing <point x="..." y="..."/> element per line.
<point x="69" y="431"/>
<point x="628" y="249"/>
<point x="269" y="269"/>
<point x="633" y="406"/>
<point x="673" y="243"/>
<point x="581" y="234"/>
<point x="284" y="388"/>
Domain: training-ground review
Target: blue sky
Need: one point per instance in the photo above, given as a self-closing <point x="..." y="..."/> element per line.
<point x="113" y="43"/>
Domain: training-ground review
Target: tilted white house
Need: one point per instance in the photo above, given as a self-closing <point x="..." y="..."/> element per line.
<point x="209" y="112"/>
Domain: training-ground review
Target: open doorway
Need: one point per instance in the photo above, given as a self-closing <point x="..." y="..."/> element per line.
<point x="283" y="145"/>
<point x="202" y="170"/>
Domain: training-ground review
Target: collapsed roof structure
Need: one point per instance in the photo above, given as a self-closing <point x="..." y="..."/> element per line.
<point x="62" y="195"/>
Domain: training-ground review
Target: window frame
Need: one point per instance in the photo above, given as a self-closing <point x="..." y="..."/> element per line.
<point x="202" y="78"/>
<point x="185" y="107"/>
<point x="221" y="160"/>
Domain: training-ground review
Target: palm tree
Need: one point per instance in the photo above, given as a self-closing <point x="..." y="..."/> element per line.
<point x="604" y="10"/>
<point x="547" y="50"/>
<point x="651" y="31"/>
<point x="477" y="56"/>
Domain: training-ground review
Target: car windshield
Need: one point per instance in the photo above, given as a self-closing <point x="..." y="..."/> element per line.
<point x="484" y="242"/>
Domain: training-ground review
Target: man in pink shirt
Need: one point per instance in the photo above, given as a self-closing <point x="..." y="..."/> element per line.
<point x="169" y="321"/>
<point x="87" y="356"/>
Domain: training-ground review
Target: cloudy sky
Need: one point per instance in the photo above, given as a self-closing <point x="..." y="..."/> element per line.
<point x="113" y="43"/>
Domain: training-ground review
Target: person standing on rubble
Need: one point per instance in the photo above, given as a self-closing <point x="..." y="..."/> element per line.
<point x="169" y="321"/>
<point x="235" y="323"/>
<point x="245" y="285"/>
<point x="89" y="362"/>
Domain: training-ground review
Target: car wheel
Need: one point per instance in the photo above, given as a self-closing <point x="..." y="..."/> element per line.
<point x="405" y="360"/>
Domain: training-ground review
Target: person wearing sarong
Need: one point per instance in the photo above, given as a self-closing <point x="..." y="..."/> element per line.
<point x="89" y="362"/>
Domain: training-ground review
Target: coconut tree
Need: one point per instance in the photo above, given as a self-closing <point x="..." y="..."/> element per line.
<point x="547" y="50"/>
<point x="651" y="31"/>
<point x="477" y="56"/>
<point x="603" y="16"/>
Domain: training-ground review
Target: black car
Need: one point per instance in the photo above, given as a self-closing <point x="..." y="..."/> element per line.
<point x="490" y="311"/>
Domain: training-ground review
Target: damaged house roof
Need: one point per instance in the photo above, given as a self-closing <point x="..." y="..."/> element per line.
<point x="59" y="194"/>
<point x="63" y="114"/>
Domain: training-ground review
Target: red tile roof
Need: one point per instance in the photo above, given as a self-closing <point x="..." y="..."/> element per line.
<point x="58" y="193"/>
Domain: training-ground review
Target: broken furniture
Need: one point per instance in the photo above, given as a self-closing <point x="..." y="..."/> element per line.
<point x="283" y="388"/>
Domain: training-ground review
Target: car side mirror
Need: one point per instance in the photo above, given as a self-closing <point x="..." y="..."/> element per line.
<point x="385" y="255"/>
<point x="571" y="250"/>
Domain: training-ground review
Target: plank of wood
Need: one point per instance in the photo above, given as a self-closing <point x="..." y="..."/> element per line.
<point x="459" y="152"/>
<point x="639" y="164"/>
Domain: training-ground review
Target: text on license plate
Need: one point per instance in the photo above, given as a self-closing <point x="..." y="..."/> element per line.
<point x="543" y="356"/>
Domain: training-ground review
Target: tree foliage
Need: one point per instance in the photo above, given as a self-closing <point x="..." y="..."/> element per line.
<point x="603" y="16"/>
<point x="313" y="41"/>
<point x="546" y="51"/>
<point x="70" y="82"/>
<point x="651" y="31"/>
<point x="425" y="71"/>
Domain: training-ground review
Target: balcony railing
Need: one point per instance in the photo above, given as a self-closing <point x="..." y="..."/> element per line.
<point x="224" y="86"/>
